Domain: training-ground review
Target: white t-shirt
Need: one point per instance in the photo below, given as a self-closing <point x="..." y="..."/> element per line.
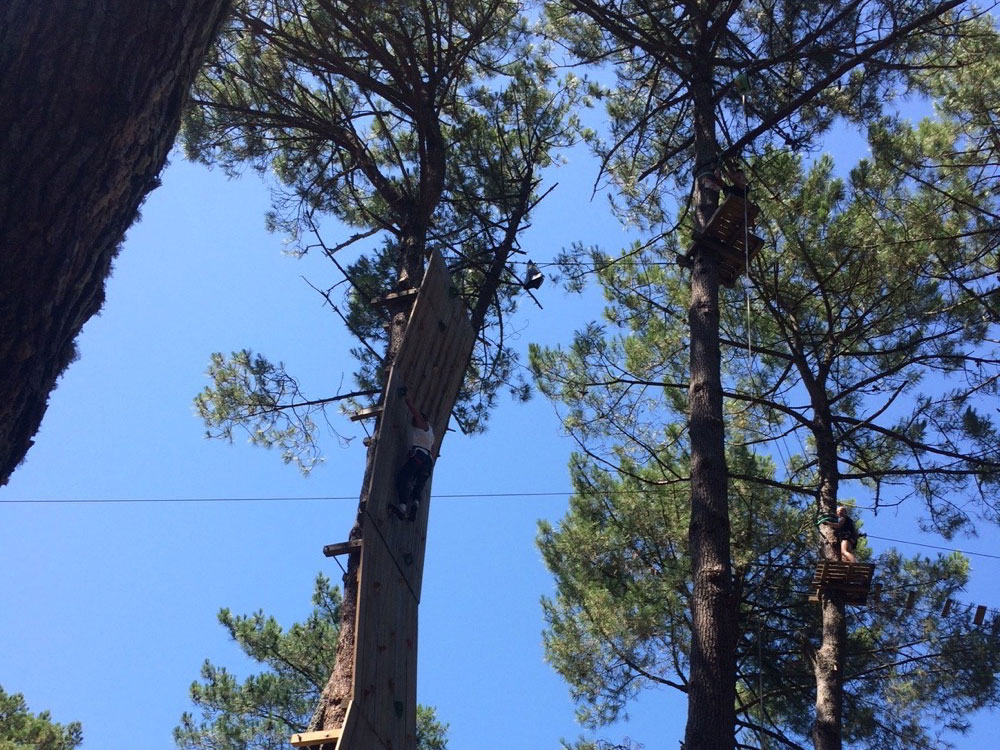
<point x="423" y="439"/>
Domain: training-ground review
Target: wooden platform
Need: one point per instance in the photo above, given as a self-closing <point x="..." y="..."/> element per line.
<point x="852" y="580"/>
<point x="729" y="234"/>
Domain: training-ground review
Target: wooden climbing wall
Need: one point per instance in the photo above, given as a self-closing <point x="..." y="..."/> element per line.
<point x="431" y="362"/>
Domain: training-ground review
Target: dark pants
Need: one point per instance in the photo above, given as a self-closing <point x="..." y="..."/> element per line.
<point x="412" y="476"/>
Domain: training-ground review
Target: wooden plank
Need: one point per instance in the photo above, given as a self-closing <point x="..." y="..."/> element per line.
<point x="980" y="615"/>
<point x="309" y="739"/>
<point x="947" y="607"/>
<point x="368" y="413"/>
<point x="342" y="548"/>
<point x="430" y="363"/>
<point x="732" y="219"/>
<point x="407" y="295"/>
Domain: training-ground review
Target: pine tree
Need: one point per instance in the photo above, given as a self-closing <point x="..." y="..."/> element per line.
<point x="697" y="83"/>
<point x="265" y="709"/>
<point x="874" y="285"/>
<point x="420" y="127"/>
<point x="617" y="625"/>
<point x="19" y="728"/>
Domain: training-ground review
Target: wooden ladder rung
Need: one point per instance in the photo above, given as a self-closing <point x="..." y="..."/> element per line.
<point x="309" y="739"/>
<point x="369" y="413"/>
<point x="407" y="295"/>
<point x="342" y="548"/>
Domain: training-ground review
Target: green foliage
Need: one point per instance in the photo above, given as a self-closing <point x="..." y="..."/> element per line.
<point x="265" y="709"/>
<point x="22" y="730"/>
<point x="722" y="79"/>
<point x="874" y="287"/>
<point x="619" y="621"/>
<point x="250" y="393"/>
<point x="870" y="329"/>
<point x="618" y="624"/>
<point x="420" y="126"/>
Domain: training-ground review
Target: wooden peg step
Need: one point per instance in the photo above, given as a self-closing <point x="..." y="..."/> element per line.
<point x="370" y="413"/>
<point x="342" y="548"/>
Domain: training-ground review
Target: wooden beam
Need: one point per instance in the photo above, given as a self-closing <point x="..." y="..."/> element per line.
<point x="369" y="413"/>
<point x="407" y="295"/>
<point x="947" y="607"/>
<point x="309" y="739"/>
<point x="342" y="548"/>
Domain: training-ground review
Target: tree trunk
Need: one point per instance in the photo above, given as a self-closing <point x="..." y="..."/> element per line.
<point x="90" y="105"/>
<point x="829" y="665"/>
<point x="712" y="682"/>
<point x="828" y="726"/>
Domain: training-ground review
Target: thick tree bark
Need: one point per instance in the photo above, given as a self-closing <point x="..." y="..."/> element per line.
<point x="90" y="103"/>
<point x="712" y="682"/>
<point x="828" y="726"/>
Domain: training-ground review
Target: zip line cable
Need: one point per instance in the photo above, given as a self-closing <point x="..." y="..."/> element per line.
<point x="934" y="546"/>
<point x="445" y="496"/>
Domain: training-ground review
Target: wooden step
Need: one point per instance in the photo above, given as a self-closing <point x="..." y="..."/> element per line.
<point x="342" y="548"/>
<point x="370" y="413"/>
<point x="311" y="739"/>
<point x="407" y="295"/>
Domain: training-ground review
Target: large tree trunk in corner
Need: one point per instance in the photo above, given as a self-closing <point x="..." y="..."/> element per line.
<point x="89" y="106"/>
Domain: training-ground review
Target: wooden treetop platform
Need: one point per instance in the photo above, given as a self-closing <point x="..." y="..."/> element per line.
<point x="852" y="580"/>
<point x="728" y="232"/>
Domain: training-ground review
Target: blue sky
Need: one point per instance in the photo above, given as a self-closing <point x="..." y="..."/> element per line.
<point x="107" y="610"/>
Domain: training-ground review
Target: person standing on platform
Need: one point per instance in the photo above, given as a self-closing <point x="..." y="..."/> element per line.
<point x="846" y="534"/>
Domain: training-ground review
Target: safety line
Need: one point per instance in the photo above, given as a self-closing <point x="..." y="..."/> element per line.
<point x="388" y="549"/>
<point x="456" y="495"/>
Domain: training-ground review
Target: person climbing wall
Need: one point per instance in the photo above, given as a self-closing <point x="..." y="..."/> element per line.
<point x="416" y="470"/>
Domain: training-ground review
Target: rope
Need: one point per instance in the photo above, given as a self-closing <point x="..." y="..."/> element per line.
<point x="394" y="560"/>
<point x="746" y="261"/>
